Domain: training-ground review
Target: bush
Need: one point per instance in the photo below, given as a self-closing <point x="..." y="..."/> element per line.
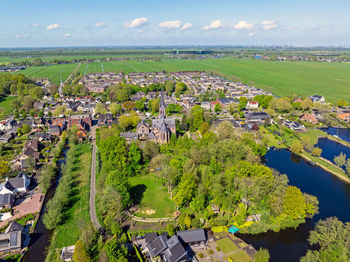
<point x="262" y="255"/>
<point x="200" y="255"/>
<point x="210" y="251"/>
<point x="219" y="229"/>
<point x="218" y="249"/>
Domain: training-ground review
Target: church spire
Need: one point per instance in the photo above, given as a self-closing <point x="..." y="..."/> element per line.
<point x="162" y="106"/>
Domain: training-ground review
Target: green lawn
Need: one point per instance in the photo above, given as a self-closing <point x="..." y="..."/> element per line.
<point x="331" y="80"/>
<point x="240" y="256"/>
<point x="226" y="245"/>
<point x="78" y="213"/>
<point x="5" y="104"/>
<point x="151" y="196"/>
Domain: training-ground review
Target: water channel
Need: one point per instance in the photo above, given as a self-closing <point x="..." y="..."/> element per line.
<point x="40" y="239"/>
<point x="332" y="193"/>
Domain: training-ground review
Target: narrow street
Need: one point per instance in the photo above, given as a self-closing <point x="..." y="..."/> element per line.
<point x="93" y="216"/>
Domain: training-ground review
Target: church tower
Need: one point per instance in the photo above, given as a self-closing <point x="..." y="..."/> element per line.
<point x="162" y="106"/>
<point x="60" y="89"/>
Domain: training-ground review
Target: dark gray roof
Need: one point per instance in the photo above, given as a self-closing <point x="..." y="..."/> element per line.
<point x="13" y="227"/>
<point x="149" y="237"/>
<point x="169" y="122"/>
<point x="6" y="199"/>
<point x="194" y="235"/>
<point x="256" y="115"/>
<point x="175" y="251"/>
<point x="131" y="135"/>
<point x="157" y="246"/>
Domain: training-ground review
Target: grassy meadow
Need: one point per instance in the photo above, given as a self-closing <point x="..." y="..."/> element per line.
<point x="151" y="197"/>
<point x="5" y="103"/>
<point x="331" y="80"/>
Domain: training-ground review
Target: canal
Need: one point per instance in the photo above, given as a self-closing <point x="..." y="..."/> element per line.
<point x="332" y="193"/>
<point x="40" y="239"/>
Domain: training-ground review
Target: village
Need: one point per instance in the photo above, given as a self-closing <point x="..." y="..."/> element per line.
<point x="31" y="139"/>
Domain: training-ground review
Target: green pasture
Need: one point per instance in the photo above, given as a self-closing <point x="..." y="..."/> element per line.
<point x="331" y="80"/>
<point x="151" y="197"/>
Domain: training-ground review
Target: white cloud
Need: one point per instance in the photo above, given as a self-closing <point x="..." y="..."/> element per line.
<point x="266" y="25"/>
<point x="251" y="34"/>
<point x="170" y="24"/>
<point x="186" y="26"/>
<point x="53" y="26"/>
<point x="137" y="22"/>
<point x="100" y="24"/>
<point x="243" y="25"/>
<point x="67" y="35"/>
<point x="22" y="36"/>
<point x="35" y="25"/>
<point x="214" y="25"/>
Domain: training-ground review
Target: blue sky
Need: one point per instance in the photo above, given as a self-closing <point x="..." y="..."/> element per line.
<point x="34" y="23"/>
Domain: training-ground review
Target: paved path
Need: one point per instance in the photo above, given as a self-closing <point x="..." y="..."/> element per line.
<point x="149" y="219"/>
<point x="93" y="216"/>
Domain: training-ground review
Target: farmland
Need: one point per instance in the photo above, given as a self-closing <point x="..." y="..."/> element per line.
<point x="331" y="80"/>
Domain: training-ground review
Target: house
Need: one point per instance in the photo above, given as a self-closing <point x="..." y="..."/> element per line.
<point x="38" y="106"/>
<point x="54" y="130"/>
<point x="17" y="185"/>
<point x="205" y="105"/>
<point x="311" y="118"/>
<point x="11" y="240"/>
<point x="298" y="100"/>
<point x="317" y="99"/>
<point x="129" y="136"/>
<point x="143" y="130"/>
<point x="6" y="200"/>
<point x="82" y="121"/>
<point x="33" y="144"/>
<point x="344" y="117"/>
<point x="170" y="250"/>
<point x="195" y="238"/>
<point x="106" y="120"/>
<point x="256" y="117"/>
<point x="294" y="126"/>
<point x="67" y="253"/>
<point x="252" y="105"/>
<point x="226" y="101"/>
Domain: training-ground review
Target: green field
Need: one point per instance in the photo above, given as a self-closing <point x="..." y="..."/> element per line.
<point x="53" y="72"/>
<point x="5" y="104"/>
<point x="151" y="197"/>
<point x="77" y="215"/>
<point x="331" y="80"/>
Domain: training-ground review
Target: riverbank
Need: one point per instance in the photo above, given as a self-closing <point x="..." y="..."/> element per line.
<point x="338" y="140"/>
<point x="76" y="215"/>
<point x="322" y="163"/>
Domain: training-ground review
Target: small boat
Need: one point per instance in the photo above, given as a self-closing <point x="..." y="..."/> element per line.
<point x="311" y="163"/>
<point x="336" y="136"/>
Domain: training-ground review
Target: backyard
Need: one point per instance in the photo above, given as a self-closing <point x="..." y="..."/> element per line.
<point x="151" y="197"/>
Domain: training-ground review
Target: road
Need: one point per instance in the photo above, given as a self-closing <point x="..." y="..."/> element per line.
<point x="93" y="216"/>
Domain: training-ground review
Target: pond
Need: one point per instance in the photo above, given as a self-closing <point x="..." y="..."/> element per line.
<point x="332" y="193"/>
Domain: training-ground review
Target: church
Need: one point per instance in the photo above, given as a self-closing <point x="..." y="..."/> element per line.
<point x="161" y="129"/>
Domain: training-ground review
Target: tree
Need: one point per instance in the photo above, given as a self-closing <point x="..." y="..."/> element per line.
<point x="100" y="108"/>
<point x="153" y="105"/>
<point x="204" y="128"/>
<point x="128" y="105"/>
<point x="242" y="103"/>
<point x="169" y="87"/>
<point x="294" y="204"/>
<point x="297" y="147"/>
<point x="115" y="251"/>
<point x="4" y="168"/>
<point x="218" y="108"/>
<point x="305" y="141"/>
<point x="115" y="108"/>
<point x="306" y="104"/>
<point x="27" y="102"/>
<point x="113" y="153"/>
<point x="262" y="255"/>
<point x="270" y="112"/>
<point x="140" y="105"/>
<point x="80" y="253"/>
<point x="282" y="105"/>
<point x="316" y="151"/>
<point x="185" y="189"/>
<point x="340" y="160"/>
<point x="134" y="159"/>
<point x="332" y="236"/>
<point x="347" y="166"/>
<point x="342" y="103"/>
<point x="170" y="229"/>
<point x="25" y="129"/>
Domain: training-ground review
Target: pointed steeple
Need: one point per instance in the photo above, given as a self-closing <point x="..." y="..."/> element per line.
<point x="60" y="89"/>
<point x="162" y="106"/>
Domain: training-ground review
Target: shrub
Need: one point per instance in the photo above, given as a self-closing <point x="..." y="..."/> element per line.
<point x="210" y="251"/>
<point x="200" y="255"/>
<point x="219" y="229"/>
<point x="218" y="249"/>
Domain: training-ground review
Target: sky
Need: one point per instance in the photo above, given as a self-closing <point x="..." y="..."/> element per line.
<point x="48" y="23"/>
